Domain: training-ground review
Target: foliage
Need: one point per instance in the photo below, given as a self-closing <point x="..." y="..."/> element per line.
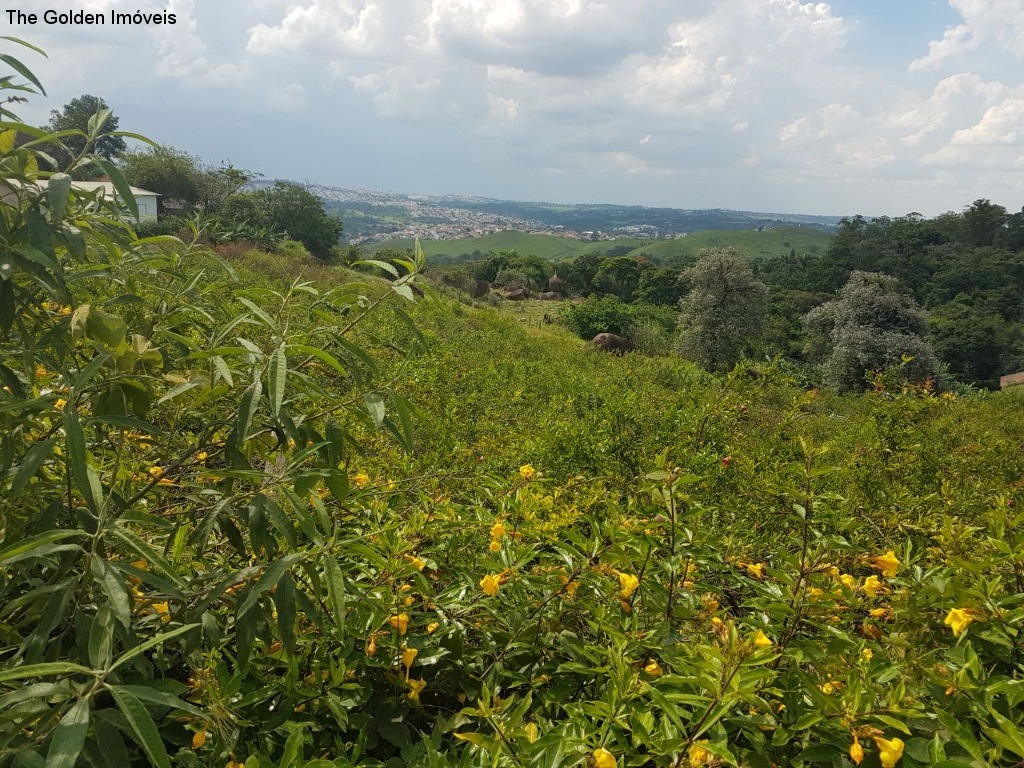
<point x="721" y="313"/>
<point x="611" y="315"/>
<point x="872" y="326"/>
<point x="286" y="208"/>
<point x="181" y="179"/>
<point x="225" y="544"/>
<point x="77" y="117"/>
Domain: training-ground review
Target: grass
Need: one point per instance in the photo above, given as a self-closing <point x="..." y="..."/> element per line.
<point x="752" y="243"/>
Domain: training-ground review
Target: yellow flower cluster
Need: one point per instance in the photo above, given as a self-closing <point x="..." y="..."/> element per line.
<point x="958" y="619"/>
<point x="490" y="584"/>
<point x="527" y="472"/>
<point x="497" y="533"/>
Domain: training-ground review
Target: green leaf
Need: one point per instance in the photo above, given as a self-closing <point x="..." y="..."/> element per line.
<point x="269" y="578"/>
<point x="20" y="68"/>
<point x="142" y="727"/>
<point x="277" y="375"/>
<point x="44" y="670"/>
<point x="69" y="736"/>
<point x="292" y="757"/>
<point x="30" y="464"/>
<point x="153" y="642"/>
<point x="256" y="310"/>
<point x="375" y="407"/>
<point x="121" y="185"/>
<point x="86" y="481"/>
<point x="108" y="328"/>
<point x="162" y="698"/>
<point x="57" y="191"/>
<point x="246" y="410"/>
<point x="335" y="593"/>
<point x="25" y="547"/>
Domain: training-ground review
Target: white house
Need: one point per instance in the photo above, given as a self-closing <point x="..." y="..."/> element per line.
<point x="146" y="200"/>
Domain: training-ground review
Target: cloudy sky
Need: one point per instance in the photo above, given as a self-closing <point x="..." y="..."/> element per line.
<point x="852" y="106"/>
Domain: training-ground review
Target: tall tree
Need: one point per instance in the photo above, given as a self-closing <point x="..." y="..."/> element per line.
<point x="872" y="326"/>
<point x="722" y="311"/>
<point x="75" y="116"/>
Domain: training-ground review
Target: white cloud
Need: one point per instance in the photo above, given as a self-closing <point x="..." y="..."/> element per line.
<point x="287" y="99"/>
<point x="986" y="23"/>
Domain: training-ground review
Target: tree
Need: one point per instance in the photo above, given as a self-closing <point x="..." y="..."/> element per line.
<point x="872" y="326"/>
<point x="722" y="311"/>
<point x="288" y="208"/>
<point x="182" y="180"/>
<point x="75" y="116"/>
<point x="619" y="277"/>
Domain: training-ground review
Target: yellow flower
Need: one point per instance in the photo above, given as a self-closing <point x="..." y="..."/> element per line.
<point x="889" y="751"/>
<point x="697" y="755"/>
<point x="888" y="563"/>
<point x="495" y="545"/>
<point x="877" y="613"/>
<point x="490" y="584"/>
<point x="198" y="740"/>
<point x="958" y="619"/>
<point x="432" y="627"/>
<point x="408" y="657"/>
<point x="831" y="687"/>
<point x="602" y="758"/>
<point x="59" y="403"/>
<point x="761" y="640"/>
<point x="717" y="624"/>
<point x="202" y="456"/>
<point x="856" y="751"/>
<point x="532" y="732"/>
<point x="360" y="479"/>
<point x="415" y="686"/>
<point x="756" y="570"/>
<point x="653" y="669"/>
<point x="629" y="584"/>
<point x="415" y="562"/>
<point x="400" y="622"/>
<point x="527" y="472"/>
<point x="815" y="592"/>
<point x="848" y="581"/>
<point x="233" y="764"/>
<point x="41" y="371"/>
<point x="163" y="610"/>
<point x="872" y="586"/>
<point x="571" y="587"/>
<point x="142" y="565"/>
<point x="867" y="654"/>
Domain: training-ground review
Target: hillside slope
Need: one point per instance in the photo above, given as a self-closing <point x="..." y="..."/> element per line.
<point x="751" y="243"/>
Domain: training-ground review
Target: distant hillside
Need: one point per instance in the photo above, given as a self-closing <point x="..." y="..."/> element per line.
<point x="751" y="243"/>
<point x="371" y="215"/>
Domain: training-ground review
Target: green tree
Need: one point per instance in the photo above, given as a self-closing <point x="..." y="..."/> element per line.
<point x="872" y="326"/>
<point x="75" y="116"/>
<point x="722" y="312"/>
<point x="287" y="208"/>
<point x="619" y="277"/>
<point x="181" y="179"/>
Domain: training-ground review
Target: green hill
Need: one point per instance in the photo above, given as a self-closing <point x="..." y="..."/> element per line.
<point x="752" y="243"/>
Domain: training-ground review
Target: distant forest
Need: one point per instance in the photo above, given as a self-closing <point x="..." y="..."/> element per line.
<point x="965" y="269"/>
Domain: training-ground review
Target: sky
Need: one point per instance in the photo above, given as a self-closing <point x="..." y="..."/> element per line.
<point x="877" y="107"/>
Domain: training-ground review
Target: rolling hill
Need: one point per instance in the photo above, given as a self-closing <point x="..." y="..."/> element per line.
<point x="751" y="243"/>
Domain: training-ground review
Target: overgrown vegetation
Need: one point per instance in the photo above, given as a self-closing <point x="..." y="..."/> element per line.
<point x="257" y="514"/>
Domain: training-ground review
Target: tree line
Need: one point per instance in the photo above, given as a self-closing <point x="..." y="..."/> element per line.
<point x="936" y="297"/>
<point x="210" y="198"/>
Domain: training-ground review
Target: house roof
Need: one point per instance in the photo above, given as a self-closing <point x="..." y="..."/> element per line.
<point x="106" y="186"/>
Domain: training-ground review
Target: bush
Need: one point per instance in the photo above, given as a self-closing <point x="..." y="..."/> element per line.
<point x="611" y="315"/>
<point x="293" y="249"/>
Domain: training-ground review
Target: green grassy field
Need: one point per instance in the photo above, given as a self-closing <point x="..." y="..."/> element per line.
<point x="752" y="243"/>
